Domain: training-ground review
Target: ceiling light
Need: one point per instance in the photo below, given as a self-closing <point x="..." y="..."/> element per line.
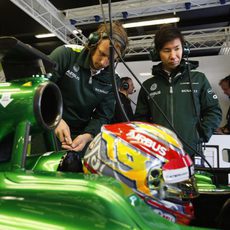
<point x="45" y="35"/>
<point x="152" y="22"/>
<point x="77" y="31"/>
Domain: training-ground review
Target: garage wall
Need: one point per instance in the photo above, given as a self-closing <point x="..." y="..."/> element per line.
<point x="215" y="68"/>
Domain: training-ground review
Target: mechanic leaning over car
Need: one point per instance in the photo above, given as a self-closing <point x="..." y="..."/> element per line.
<point x="184" y="95"/>
<point x="85" y="82"/>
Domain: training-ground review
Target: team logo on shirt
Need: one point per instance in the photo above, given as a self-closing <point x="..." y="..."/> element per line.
<point x="74" y="72"/>
<point x="76" y="68"/>
<point x="101" y="91"/>
<point x="210" y="91"/>
<point x="71" y="74"/>
<point x="153" y="87"/>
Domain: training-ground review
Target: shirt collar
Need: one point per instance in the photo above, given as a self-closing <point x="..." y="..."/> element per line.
<point x="94" y="71"/>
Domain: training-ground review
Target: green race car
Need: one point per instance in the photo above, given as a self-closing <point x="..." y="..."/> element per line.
<point x="33" y="194"/>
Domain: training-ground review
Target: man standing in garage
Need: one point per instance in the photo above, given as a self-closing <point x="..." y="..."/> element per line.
<point x="178" y="98"/>
<point x="85" y="82"/>
<point x="126" y="88"/>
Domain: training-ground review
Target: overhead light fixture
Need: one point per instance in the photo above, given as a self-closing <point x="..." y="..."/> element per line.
<point x="152" y="22"/>
<point x="45" y="35"/>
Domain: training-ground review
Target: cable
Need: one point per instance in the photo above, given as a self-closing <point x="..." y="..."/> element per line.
<point x="112" y="63"/>
<point x="193" y="98"/>
<point x="132" y="101"/>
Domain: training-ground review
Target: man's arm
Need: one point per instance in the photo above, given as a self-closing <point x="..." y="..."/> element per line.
<point x="102" y="114"/>
<point x="61" y="56"/>
<point x="211" y="114"/>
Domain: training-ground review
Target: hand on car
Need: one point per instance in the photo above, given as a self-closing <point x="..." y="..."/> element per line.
<point x="80" y="141"/>
<point x="63" y="133"/>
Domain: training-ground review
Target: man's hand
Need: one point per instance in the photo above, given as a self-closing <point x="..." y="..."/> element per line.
<point x="80" y="141"/>
<point x="63" y="133"/>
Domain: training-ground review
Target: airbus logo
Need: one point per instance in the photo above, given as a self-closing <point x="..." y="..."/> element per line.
<point x="140" y="138"/>
<point x="72" y="75"/>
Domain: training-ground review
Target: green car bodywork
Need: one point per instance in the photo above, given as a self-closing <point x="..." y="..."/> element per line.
<point x="33" y="195"/>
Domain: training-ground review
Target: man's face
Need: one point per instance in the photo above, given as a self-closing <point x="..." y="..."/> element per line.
<point x="100" y="57"/>
<point x="225" y="87"/>
<point x="171" y="54"/>
<point x="131" y="87"/>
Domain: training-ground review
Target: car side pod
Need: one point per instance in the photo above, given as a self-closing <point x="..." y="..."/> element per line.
<point x="27" y="105"/>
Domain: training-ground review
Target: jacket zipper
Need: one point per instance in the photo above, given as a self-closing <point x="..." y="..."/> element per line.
<point x="171" y="100"/>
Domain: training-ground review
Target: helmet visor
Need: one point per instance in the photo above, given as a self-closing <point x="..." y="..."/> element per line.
<point x="182" y="190"/>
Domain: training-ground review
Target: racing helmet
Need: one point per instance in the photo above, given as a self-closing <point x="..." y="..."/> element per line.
<point x="150" y="159"/>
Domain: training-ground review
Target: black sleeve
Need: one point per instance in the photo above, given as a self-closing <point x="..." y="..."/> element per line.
<point x="142" y="112"/>
<point x="118" y="114"/>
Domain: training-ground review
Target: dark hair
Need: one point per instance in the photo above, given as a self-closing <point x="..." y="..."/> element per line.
<point x="166" y="34"/>
<point x="125" y="79"/>
<point x="226" y="79"/>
